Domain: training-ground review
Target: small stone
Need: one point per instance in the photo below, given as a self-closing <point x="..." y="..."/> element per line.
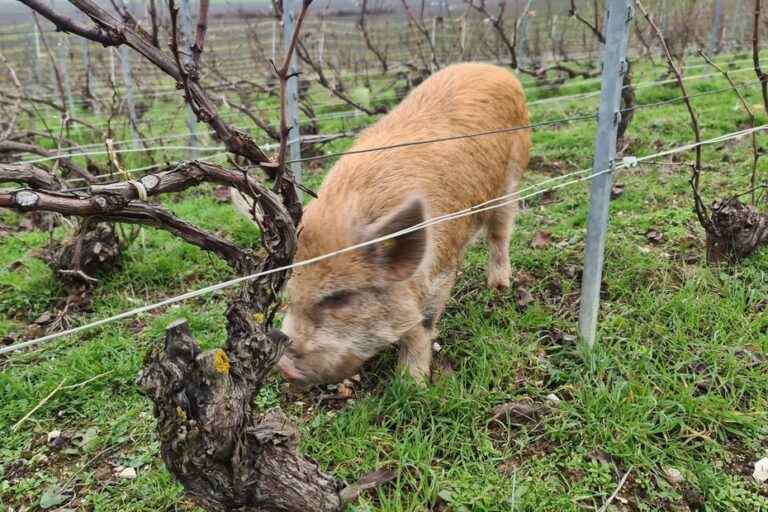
<point x="673" y="475"/>
<point x="56" y="440"/>
<point x="437" y="347"/>
<point x="356" y="377"/>
<point x="761" y="470"/>
<point x="53" y="435"/>
<point x="553" y="398"/>
<point x="127" y="473"/>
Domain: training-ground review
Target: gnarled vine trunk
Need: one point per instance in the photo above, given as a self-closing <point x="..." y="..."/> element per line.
<point x="735" y="231"/>
<point x="228" y="456"/>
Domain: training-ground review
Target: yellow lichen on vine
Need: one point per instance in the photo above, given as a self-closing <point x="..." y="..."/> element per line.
<point x="181" y="413"/>
<point x="259" y="317"/>
<point x="221" y="362"/>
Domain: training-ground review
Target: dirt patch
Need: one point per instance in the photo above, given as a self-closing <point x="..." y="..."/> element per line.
<point x="536" y="450"/>
<point x="546" y="166"/>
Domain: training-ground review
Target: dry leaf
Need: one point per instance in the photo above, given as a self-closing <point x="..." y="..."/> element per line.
<point x="518" y="412"/>
<point x="673" y="475"/>
<point x="369" y="481"/>
<point x="654" y="236"/>
<point x="127" y="473"/>
<point x="45" y="318"/>
<point x="541" y="240"/>
<point x="523" y="297"/>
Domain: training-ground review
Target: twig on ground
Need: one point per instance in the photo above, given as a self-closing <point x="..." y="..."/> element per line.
<point x="616" y="491"/>
<point x="41" y="403"/>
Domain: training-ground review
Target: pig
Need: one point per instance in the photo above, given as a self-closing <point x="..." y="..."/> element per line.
<point x="343" y="310"/>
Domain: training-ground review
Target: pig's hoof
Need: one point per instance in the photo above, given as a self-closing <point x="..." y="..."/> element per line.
<point x="422" y="379"/>
<point x="498" y="279"/>
<point x="420" y="376"/>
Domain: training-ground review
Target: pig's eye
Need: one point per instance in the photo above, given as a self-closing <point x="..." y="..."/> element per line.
<point x="337" y="299"/>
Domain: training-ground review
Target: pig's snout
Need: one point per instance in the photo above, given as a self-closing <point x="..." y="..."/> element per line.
<point x="289" y="370"/>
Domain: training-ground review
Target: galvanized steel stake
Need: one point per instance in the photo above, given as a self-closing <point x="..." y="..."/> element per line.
<point x="187" y="40"/>
<point x="290" y="10"/>
<point x="125" y="61"/>
<point x="717" y="28"/>
<point x="618" y="17"/>
<point x="66" y="82"/>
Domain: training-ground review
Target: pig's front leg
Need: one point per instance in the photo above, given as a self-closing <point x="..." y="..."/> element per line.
<point x="416" y="353"/>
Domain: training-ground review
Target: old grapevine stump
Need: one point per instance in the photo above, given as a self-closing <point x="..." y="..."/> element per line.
<point x="94" y="250"/>
<point x="227" y="456"/>
<point x="736" y="230"/>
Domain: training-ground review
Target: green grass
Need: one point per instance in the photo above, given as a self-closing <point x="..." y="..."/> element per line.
<point x="677" y="379"/>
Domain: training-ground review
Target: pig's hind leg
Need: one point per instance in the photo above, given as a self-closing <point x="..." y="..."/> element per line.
<point x="498" y="229"/>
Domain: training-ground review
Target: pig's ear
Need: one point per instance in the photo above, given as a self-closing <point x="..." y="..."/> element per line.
<point x="399" y="257"/>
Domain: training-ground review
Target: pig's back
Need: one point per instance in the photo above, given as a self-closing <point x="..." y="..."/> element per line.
<point x="461" y="99"/>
